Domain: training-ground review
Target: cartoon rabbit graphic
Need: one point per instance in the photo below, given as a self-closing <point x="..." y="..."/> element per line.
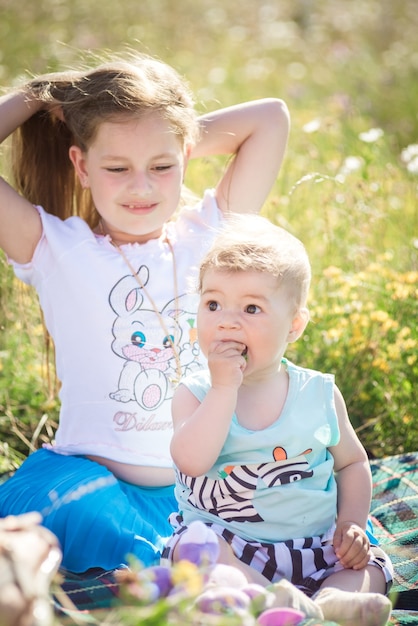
<point x="146" y="346"/>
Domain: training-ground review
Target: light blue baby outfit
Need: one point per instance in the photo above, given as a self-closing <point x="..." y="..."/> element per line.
<point x="271" y="494"/>
<point x="276" y="483"/>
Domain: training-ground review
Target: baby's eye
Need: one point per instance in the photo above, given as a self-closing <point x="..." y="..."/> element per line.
<point x="116" y="170"/>
<point x="213" y="305"/>
<point x="253" y="308"/>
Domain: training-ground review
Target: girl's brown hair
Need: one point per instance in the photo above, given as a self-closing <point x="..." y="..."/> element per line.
<point x="112" y="91"/>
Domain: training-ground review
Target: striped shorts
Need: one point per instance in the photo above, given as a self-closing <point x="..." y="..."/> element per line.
<point x="305" y="562"/>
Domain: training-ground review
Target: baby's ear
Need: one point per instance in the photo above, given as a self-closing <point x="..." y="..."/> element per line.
<point x="299" y="323"/>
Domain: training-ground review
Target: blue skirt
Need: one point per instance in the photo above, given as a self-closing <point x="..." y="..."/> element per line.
<point x="99" y="520"/>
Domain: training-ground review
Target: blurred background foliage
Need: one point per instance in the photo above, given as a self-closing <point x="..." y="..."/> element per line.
<point x="348" y="70"/>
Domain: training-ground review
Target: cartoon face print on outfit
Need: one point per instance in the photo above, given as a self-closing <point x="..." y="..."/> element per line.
<point x="230" y="497"/>
<point x="134" y="170"/>
<point x="149" y="367"/>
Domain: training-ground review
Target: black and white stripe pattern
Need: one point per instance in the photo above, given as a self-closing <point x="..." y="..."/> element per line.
<point x="231" y="496"/>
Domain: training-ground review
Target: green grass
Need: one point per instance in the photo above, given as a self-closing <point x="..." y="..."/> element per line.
<point x="348" y="191"/>
<point x="344" y="69"/>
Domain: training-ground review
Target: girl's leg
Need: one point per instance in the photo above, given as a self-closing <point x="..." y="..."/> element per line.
<point x="88" y="509"/>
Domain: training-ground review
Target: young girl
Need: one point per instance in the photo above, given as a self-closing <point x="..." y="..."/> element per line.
<point x="110" y="251"/>
<point x="257" y="440"/>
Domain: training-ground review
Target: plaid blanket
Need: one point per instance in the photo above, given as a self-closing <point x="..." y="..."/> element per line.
<point x="394" y="514"/>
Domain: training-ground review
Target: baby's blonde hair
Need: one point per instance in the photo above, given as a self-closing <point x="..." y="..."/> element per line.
<point x="252" y="243"/>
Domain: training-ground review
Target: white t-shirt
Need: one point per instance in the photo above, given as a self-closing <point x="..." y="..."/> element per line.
<point x="113" y="361"/>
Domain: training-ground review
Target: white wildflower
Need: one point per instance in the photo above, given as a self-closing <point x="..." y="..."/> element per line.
<point x="372" y="135"/>
<point x="312" y="126"/>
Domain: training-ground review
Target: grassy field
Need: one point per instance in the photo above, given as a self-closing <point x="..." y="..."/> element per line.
<point x="348" y="71"/>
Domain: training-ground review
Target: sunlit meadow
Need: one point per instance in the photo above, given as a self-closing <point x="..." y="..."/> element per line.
<point x="348" y="187"/>
<point x="348" y="71"/>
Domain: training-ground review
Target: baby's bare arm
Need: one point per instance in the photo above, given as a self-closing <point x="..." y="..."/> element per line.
<point x="354" y="492"/>
<point x="200" y="428"/>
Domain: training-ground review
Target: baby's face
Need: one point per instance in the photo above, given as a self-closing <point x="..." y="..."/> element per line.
<point x="250" y="311"/>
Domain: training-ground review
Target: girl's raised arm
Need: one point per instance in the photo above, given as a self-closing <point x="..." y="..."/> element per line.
<point x="20" y="224"/>
<point x="256" y="133"/>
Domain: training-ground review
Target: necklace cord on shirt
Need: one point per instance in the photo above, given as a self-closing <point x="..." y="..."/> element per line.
<point x="173" y="341"/>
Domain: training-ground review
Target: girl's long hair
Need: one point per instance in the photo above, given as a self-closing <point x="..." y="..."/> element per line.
<point x="76" y="103"/>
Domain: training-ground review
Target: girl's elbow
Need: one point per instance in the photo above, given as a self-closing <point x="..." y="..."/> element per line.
<point x="277" y="112"/>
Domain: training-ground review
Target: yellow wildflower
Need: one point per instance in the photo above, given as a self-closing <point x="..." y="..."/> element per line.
<point x="332" y="272"/>
<point x="410" y="277"/>
<point x="381" y="364"/>
<point x="394" y="352"/>
<point x="332" y="335"/>
<point x="187" y="575"/>
<point x="399" y="292"/>
<point x="409" y="344"/>
<point x="379" y="316"/>
<point x="404" y="332"/>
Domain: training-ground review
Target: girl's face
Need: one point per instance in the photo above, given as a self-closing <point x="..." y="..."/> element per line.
<point x="248" y="308"/>
<point x="134" y="170"/>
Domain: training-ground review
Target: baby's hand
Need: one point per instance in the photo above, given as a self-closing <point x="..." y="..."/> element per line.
<point x="351" y="545"/>
<point x="227" y="362"/>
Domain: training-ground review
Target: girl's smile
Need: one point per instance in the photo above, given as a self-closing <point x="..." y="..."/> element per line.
<point x="140" y="209"/>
